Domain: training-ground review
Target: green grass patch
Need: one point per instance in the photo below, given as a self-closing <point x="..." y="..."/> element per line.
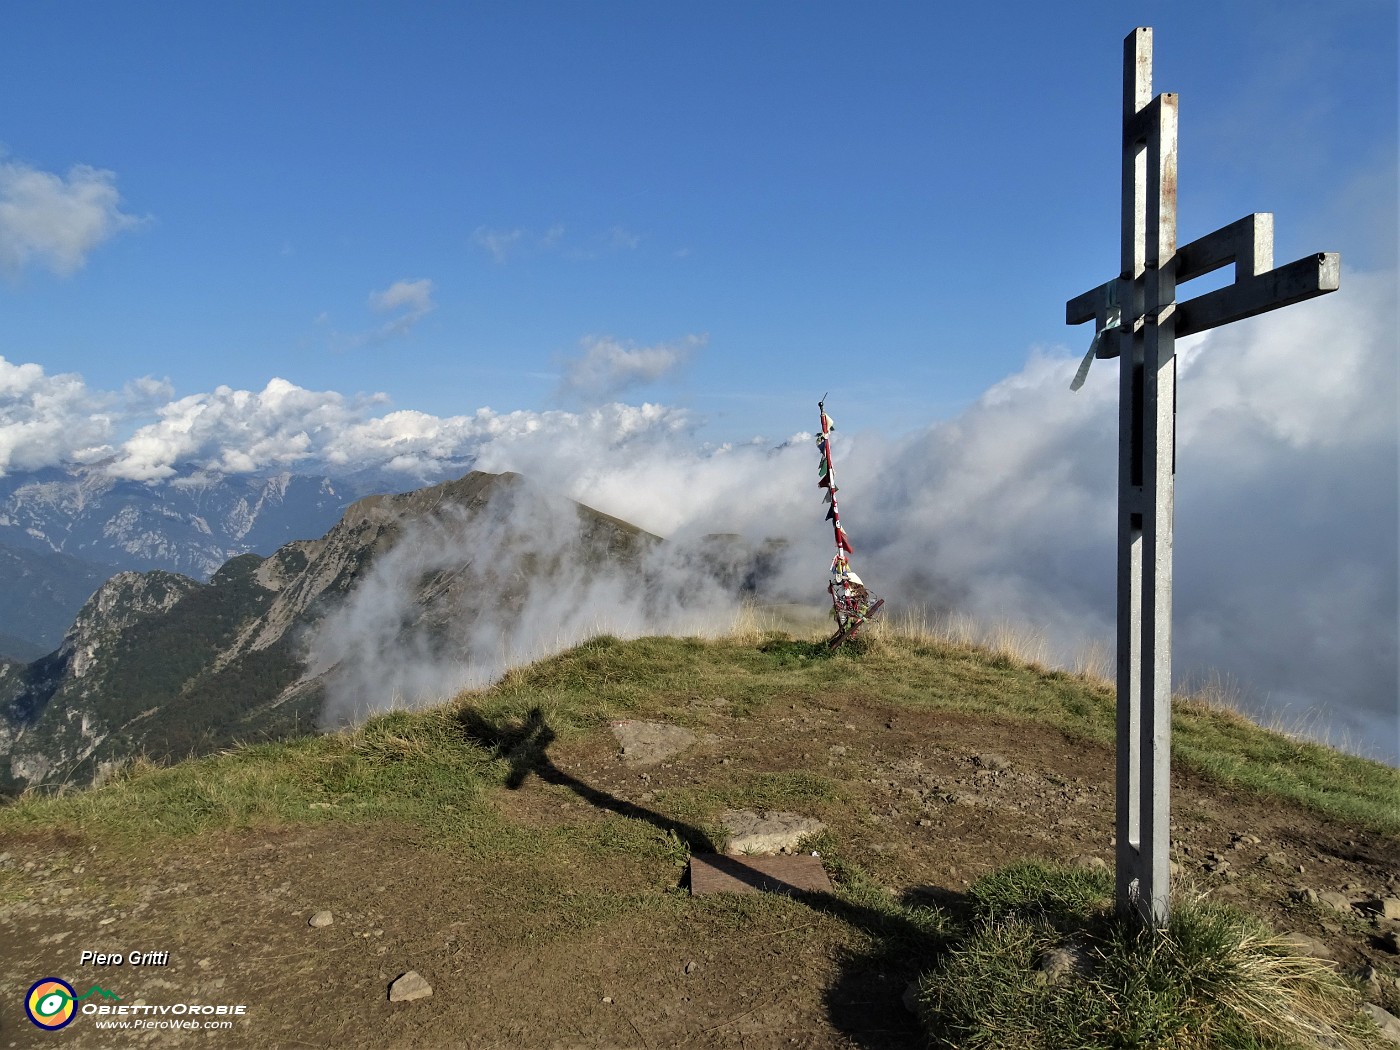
<point x="417" y="768"/>
<point x="430" y="767"/>
<point x="1213" y="978"/>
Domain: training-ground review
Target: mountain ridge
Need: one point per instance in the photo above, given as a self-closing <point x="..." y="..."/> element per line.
<point x="63" y="530"/>
<point x="237" y="657"/>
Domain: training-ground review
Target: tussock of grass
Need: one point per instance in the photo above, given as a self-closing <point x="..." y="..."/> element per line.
<point x="1213" y="978"/>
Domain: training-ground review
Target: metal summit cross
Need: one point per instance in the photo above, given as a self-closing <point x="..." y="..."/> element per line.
<point x="1137" y="319"/>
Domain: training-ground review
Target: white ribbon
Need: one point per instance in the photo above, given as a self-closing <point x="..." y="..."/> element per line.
<point x="1115" y="318"/>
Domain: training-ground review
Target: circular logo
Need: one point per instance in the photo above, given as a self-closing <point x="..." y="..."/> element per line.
<point x="50" y="1003"/>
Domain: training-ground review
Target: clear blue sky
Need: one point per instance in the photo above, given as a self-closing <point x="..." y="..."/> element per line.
<point x="891" y="201"/>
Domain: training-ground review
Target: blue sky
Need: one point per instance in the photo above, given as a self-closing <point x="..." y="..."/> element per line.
<point x="648" y="236"/>
<point x="891" y="201"/>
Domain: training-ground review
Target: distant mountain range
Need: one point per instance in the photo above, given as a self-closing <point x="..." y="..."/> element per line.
<point x="63" y="531"/>
<point x="162" y="664"/>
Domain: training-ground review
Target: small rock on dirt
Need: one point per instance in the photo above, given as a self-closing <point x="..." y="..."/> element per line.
<point x="321" y="918"/>
<point x="1336" y="901"/>
<point x="646" y="743"/>
<point x="768" y="831"/>
<point x="1391" y="942"/>
<point x="990" y="761"/>
<point x="1388" y="907"/>
<point x="691" y="967"/>
<point x="408" y="987"/>
<point x="1387" y="1022"/>
<point x="1303" y="895"/>
<point x="1308" y="945"/>
<point x="1088" y="862"/>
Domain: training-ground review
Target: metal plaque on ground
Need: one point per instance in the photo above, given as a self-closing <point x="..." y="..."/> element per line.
<point x="784" y="873"/>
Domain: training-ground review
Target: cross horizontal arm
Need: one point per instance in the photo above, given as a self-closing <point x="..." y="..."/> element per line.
<point x="1308" y="277"/>
<point x="1086" y="307"/>
<point x="1248" y="243"/>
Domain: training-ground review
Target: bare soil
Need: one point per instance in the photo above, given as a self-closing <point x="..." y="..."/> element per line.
<point x="530" y="954"/>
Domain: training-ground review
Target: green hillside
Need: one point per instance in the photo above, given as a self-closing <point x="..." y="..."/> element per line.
<point x="503" y="828"/>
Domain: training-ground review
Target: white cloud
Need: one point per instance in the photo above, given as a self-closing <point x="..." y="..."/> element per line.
<point x="414" y="300"/>
<point x="607" y="368"/>
<point x="621" y="239"/>
<point x="415" y="296"/>
<point x="49" y="420"/>
<point x="1286" y="514"/>
<point x="544" y="589"/>
<point x="53" y="221"/>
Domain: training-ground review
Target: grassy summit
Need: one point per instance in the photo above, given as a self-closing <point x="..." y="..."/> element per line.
<point x="498" y="847"/>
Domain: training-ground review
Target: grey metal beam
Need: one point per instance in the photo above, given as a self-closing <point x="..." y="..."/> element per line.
<point x="1248" y="241"/>
<point x="1148" y="321"/>
<point x="1305" y="279"/>
<point x="1086" y="307"/>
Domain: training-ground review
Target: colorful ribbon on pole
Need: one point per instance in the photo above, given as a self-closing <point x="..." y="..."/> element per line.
<point x="851" y="603"/>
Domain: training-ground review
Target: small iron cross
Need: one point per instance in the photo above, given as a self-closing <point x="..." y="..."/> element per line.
<point x="1137" y="319"/>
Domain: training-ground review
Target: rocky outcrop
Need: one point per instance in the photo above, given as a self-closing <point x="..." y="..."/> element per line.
<point x="65" y="530"/>
<point x="162" y="664"/>
<point x="120" y="602"/>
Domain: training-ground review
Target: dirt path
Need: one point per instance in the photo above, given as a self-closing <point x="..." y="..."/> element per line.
<point x="530" y="951"/>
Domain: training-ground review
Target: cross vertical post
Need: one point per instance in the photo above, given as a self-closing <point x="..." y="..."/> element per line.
<point x="1147" y="407"/>
<point x="1137" y="320"/>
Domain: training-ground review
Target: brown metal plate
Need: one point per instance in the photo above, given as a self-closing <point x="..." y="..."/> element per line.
<point x="796" y="873"/>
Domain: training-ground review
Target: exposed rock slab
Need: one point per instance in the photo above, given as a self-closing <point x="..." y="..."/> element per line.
<point x="716" y="873"/>
<point x="767" y="831"/>
<point x="647" y="743"/>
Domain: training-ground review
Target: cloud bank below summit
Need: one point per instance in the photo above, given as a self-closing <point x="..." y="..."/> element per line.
<point x="1286" y="519"/>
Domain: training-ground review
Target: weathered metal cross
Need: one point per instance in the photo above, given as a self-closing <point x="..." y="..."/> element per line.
<point x="1138" y="321"/>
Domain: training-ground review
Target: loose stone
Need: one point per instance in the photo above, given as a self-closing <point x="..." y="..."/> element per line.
<point x="408" y="987"/>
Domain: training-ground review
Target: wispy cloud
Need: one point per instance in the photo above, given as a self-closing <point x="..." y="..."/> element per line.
<point x="504" y="245"/>
<point x="55" y="221"/>
<point x="607" y="368"/>
<point x="415" y="296"/>
<point x="500" y="244"/>
<point x="408" y="300"/>
<point x="621" y="239"/>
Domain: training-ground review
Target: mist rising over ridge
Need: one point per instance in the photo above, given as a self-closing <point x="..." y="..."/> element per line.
<point x="405" y="601"/>
<point x="1286" y="519"/>
<point x="1287" y="508"/>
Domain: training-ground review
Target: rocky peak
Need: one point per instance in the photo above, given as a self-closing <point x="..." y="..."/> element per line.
<point x="117" y="604"/>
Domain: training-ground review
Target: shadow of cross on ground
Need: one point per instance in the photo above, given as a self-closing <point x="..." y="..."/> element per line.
<point x="525" y="745"/>
<point x="863" y="999"/>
